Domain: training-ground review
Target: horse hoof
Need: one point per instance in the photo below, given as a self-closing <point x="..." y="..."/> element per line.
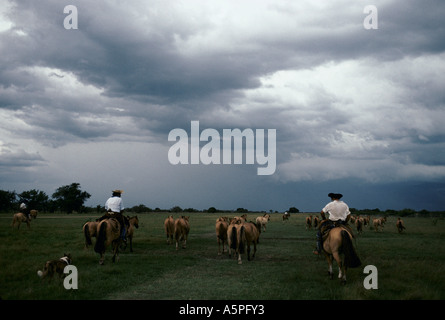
<point x="101" y="262"/>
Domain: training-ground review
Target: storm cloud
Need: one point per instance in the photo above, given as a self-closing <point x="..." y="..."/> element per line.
<point x="351" y="106"/>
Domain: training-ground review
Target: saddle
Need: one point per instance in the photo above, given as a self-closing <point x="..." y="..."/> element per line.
<point x="327" y="225"/>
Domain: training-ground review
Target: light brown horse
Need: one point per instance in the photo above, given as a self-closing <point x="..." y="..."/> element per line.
<point x="338" y="245"/>
<point x="378" y="223"/>
<point x="400" y="225"/>
<point x="316" y="221"/>
<point x="359" y="225"/>
<point x="182" y="229"/>
<point x="134" y="223"/>
<point x="221" y="233"/>
<point x="169" y="227"/>
<point x="263" y="221"/>
<point x="108" y="233"/>
<point x="89" y="231"/>
<point x="247" y="233"/>
<point x="18" y="218"/>
<point x="231" y="233"/>
<point x="308" y="222"/>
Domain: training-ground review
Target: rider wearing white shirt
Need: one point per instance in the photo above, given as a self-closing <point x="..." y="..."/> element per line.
<point x="338" y="212"/>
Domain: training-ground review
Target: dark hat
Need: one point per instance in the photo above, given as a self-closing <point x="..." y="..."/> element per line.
<point x="335" y="195"/>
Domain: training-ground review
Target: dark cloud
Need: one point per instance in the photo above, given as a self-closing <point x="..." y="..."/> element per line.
<point x="367" y="102"/>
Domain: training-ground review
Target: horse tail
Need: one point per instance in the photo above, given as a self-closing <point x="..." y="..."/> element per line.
<point x="86" y="230"/>
<point x="233" y="238"/>
<point x="241" y="239"/>
<point x="101" y="237"/>
<point x="351" y="258"/>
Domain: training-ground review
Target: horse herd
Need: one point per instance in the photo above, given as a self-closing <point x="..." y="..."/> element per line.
<point x="359" y="222"/>
<point x="236" y="234"/>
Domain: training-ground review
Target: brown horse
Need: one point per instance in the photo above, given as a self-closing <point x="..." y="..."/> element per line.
<point x="90" y="231"/>
<point x="308" y="222"/>
<point x="400" y="225"/>
<point x="263" y="221"/>
<point x="316" y="221"/>
<point x="231" y="233"/>
<point x="359" y="225"/>
<point x="338" y="245"/>
<point x="378" y="223"/>
<point x="247" y="233"/>
<point x="108" y="233"/>
<point x="182" y="229"/>
<point x="221" y="233"/>
<point x="18" y="218"/>
<point x="134" y="223"/>
<point x="169" y="227"/>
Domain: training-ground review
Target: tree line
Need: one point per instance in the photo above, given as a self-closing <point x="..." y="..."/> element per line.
<point x="71" y="198"/>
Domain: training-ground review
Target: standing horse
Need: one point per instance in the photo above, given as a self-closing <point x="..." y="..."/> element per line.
<point x="308" y="222"/>
<point x="90" y="230"/>
<point x="19" y="218"/>
<point x="263" y="221"/>
<point x="221" y="233"/>
<point x="338" y="245"/>
<point x="169" y="227"/>
<point x="108" y="233"/>
<point x="182" y="229"/>
<point x="134" y="223"/>
<point x="246" y="234"/>
<point x="231" y="233"/>
<point x="400" y="225"/>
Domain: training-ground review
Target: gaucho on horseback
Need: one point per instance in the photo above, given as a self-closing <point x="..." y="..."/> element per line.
<point x="115" y="207"/>
<point x="338" y="215"/>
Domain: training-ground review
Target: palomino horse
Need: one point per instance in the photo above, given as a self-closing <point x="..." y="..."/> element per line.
<point x="182" y="229"/>
<point x="108" y="233"/>
<point x="400" y="225"/>
<point x="338" y="245"/>
<point x="308" y="222"/>
<point x="263" y="221"/>
<point x="246" y="234"/>
<point x="169" y="227"/>
<point x="221" y="233"/>
<point x="19" y="218"/>
<point x="378" y="223"/>
<point x="134" y="223"/>
<point x="90" y="230"/>
<point x="231" y="230"/>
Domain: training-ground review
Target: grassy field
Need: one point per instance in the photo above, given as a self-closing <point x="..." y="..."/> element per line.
<point x="410" y="265"/>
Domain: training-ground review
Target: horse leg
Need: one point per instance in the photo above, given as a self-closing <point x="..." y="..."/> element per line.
<point x="219" y="246"/>
<point x="239" y="258"/>
<point x="329" y="260"/>
<point x="131" y="243"/>
<point x="341" y="267"/>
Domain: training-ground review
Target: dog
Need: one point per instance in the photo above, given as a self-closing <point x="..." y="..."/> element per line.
<point x="55" y="266"/>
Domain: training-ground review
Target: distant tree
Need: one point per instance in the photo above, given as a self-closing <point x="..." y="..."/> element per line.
<point x="7" y="200"/>
<point x="140" y="208"/>
<point x="34" y="199"/>
<point x="70" y="198"/>
<point x="293" y="210"/>
<point x="242" y="210"/>
<point x="211" y="210"/>
<point x="176" y="209"/>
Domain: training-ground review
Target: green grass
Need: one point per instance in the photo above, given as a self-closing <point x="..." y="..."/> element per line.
<point x="410" y="265"/>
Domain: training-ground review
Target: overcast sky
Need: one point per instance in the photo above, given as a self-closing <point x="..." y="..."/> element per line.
<point x="356" y="111"/>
